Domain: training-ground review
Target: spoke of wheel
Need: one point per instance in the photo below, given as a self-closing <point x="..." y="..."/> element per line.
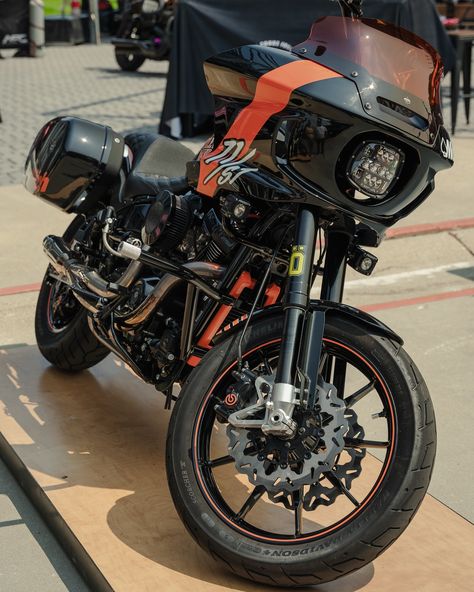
<point x="218" y="462"/>
<point x="334" y="479"/>
<point x="360" y="394"/>
<point x="298" y="508"/>
<point x="250" y="502"/>
<point x="339" y="382"/>
<point x="356" y="443"/>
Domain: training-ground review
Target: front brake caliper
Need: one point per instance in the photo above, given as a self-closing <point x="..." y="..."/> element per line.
<point x="237" y="395"/>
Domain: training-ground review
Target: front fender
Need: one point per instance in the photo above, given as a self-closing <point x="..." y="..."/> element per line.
<point x="330" y="308"/>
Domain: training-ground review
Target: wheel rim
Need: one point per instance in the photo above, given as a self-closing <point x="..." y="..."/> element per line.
<point x="240" y="519"/>
<point x="62" y="307"/>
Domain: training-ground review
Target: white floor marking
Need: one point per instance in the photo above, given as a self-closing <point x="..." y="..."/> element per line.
<point x="387" y="280"/>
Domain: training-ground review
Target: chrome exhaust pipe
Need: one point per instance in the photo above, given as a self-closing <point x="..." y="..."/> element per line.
<point x="88" y="282"/>
<point x="162" y="289"/>
<point x="64" y="262"/>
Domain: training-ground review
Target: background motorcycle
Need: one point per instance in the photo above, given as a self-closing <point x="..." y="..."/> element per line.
<point x="144" y="33"/>
<point x="204" y="281"/>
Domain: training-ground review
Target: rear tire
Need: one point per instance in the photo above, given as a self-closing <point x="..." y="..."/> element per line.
<point x="129" y="62"/>
<point x="72" y="348"/>
<point x="354" y="543"/>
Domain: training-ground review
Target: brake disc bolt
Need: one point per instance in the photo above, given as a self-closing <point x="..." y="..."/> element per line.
<point x="261" y="457"/>
<point x="307" y="455"/>
<point x="301" y="431"/>
<point x="288" y="444"/>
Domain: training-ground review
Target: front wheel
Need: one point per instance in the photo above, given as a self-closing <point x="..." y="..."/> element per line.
<point x="327" y="502"/>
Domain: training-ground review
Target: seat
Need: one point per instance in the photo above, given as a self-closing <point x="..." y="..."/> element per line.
<point x="158" y="163"/>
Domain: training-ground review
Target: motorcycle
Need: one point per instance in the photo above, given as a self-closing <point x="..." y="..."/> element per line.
<point x="144" y="33"/>
<point x="303" y="438"/>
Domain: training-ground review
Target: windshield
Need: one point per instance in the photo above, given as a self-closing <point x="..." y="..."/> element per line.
<point x="377" y="51"/>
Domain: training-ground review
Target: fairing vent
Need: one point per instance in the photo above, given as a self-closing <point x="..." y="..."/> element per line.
<point x="403" y="113"/>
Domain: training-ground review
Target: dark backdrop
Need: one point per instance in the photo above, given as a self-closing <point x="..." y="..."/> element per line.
<point x="207" y="27"/>
<point x="14" y="23"/>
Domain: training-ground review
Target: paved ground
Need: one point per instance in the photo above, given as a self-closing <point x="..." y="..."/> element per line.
<point x="84" y="81"/>
<point x="423" y="286"/>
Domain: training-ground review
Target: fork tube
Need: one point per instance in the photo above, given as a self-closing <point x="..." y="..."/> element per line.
<point x="332" y="288"/>
<point x="298" y="295"/>
<point x="338" y="241"/>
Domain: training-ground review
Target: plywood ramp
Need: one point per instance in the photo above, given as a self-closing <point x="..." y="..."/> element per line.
<point x="95" y="444"/>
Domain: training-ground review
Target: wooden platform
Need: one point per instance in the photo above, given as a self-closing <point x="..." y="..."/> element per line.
<point x="89" y="449"/>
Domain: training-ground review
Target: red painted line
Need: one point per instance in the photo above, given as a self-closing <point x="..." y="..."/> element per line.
<point x="420" y="300"/>
<point x="11" y="290"/>
<point x="432" y="228"/>
<point x="367" y="308"/>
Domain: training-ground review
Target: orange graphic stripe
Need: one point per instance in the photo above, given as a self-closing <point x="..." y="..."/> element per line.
<point x="244" y="281"/>
<point x="272" y="94"/>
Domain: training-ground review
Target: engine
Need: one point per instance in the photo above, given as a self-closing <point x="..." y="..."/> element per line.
<point x="181" y="229"/>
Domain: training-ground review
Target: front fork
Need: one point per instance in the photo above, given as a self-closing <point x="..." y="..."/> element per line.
<point x="297" y="374"/>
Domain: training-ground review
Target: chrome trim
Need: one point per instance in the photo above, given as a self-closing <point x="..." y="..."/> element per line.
<point x="162" y="289"/>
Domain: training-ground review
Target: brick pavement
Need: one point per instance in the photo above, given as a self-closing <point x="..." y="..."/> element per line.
<point x="82" y="80"/>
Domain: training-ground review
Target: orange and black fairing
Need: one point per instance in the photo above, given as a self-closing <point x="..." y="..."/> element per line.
<point x="289" y="125"/>
<point x="271" y="94"/>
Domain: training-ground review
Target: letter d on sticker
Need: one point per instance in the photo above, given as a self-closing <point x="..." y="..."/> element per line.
<point x="296" y="261"/>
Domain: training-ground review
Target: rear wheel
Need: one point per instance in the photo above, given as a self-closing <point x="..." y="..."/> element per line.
<point x="129" y="62"/>
<point x="304" y="511"/>
<point x="61" y="328"/>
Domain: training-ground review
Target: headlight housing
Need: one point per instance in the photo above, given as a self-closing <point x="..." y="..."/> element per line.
<point x="375" y="168"/>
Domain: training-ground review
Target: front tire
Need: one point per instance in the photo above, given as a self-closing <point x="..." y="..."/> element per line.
<point x="331" y="552"/>
<point x="62" y="332"/>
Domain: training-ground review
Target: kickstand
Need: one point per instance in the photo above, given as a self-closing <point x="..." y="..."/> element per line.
<point x="169" y="397"/>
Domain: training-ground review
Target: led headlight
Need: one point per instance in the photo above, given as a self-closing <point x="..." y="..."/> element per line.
<point x="375" y="168"/>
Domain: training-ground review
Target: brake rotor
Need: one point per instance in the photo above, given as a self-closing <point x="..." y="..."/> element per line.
<point x="284" y="466"/>
<point x="323" y="492"/>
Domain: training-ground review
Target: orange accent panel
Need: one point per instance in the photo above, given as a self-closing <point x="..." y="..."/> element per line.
<point x="213" y="326"/>
<point x="272" y="94"/>
<point x="193" y="361"/>
<point x="272" y="293"/>
<point x="244" y="281"/>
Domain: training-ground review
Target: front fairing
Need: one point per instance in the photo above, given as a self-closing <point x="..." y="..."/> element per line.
<point x="397" y="74"/>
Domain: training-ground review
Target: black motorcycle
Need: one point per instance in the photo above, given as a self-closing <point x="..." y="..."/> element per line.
<point x="303" y="438"/>
<point x="144" y="33"/>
